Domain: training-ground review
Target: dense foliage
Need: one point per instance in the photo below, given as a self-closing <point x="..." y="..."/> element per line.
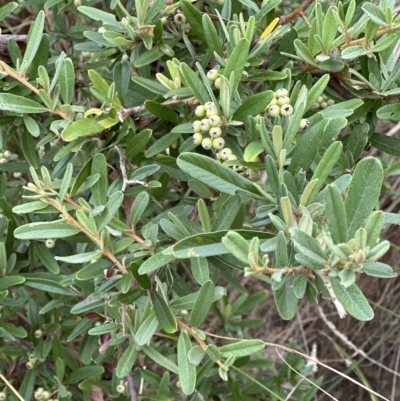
<point x="155" y="153"/>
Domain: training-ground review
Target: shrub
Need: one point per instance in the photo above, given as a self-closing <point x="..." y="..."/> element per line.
<point x="154" y="154"/>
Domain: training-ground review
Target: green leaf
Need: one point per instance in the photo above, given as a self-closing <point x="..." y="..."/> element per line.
<point x="353" y="52"/>
<point x="139" y="206"/>
<point x="200" y="270"/>
<point x="363" y="193"/>
<point x="358" y="139"/>
<point x="147" y="329"/>
<point x="203" y="304"/>
<point x="353" y="300"/>
<point x="385" y="143"/>
<point x="20" y="104"/>
<point x="160" y="359"/>
<point x="389" y="112"/>
<point x="195" y="355"/>
<point x="329" y="29"/>
<point x="104" y="328"/>
<point x="227" y="214"/>
<point x="195" y="84"/>
<point x="136" y="143"/>
<point x="212" y="173"/>
<point x="308" y="247"/>
<point x="281" y="255"/>
<point x="303" y="51"/>
<point x="45" y="230"/>
<point x="213" y="41"/>
<point x="91" y="302"/>
<point x="316" y="91"/>
<point x="100" y="188"/>
<point x="155" y="262"/>
<point x="377" y="269"/>
<point x="162" y="144"/>
<point x="187" y="371"/>
<point x="161" y="111"/>
<point x="237" y="62"/>
<point x="164" y="314"/>
<point x="126" y="362"/>
<point x="7" y="9"/>
<point x="194" y="18"/>
<point x="98" y="15"/>
<point x="81" y="128"/>
<point x="111" y="208"/>
<point x="253" y="105"/>
<point x="79" y="258"/>
<point x="29" y="207"/>
<point x="242" y="348"/>
<point x="324" y="167"/>
<point x="29" y="149"/>
<point x="66" y="181"/>
<point x="66" y="80"/>
<point x="286" y="300"/>
<point x="334" y="211"/>
<point x="9" y="281"/>
<point x="31" y="125"/>
<point x="83" y="373"/>
<point x="237" y="245"/>
<point x="46" y="258"/>
<point x="375" y="13"/>
<point x="35" y="36"/>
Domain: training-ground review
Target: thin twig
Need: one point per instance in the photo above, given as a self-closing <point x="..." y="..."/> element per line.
<point x="299" y="12"/>
<point x="132" y="387"/>
<point x="10" y="386"/>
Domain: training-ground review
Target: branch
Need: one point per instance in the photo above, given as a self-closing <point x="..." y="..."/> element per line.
<point x="132" y="387"/>
<point x="299" y="12"/>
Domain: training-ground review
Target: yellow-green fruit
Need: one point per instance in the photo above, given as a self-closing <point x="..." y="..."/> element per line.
<point x="164" y="20"/>
<point x="215" y="121"/>
<point x="7" y="154"/>
<point x="197" y="138"/>
<point x="232" y="157"/>
<point x="200" y="111"/>
<point x="38" y="333"/>
<point x="38" y="393"/>
<point x="215" y="132"/>
<point x="217" y="83"/>
<point x="50" y="243"/>
<point x="207" y="143"/>
<point x="220" y="2"/>
<point x="218" y="143"/>
<point x="17" y="174"/>
<point x="3" y="160"/>
<point x="281" y="92"/>
<point x="212" y="75"/>
<point x="324" y="105"/>
<point x="274" y="111"/>
<point x="330" y="102"/>
<point x="196" y="126"/>
<point x="3" y="396"/>
<point x="238" y="168"/>
<point x="225" y="153"/>
<point x="283" y="100"/>
<point x="287" y="110"/>
<point x="29" y="365"/>
<point x="304" y="123"/>
<point x="120" y="389"/>
<point x="179" y="19"/>
<point x="212" y="112"/>
<point x="205" y="125"/>
<point x="45" y="395"/>
<point x="209" y="105"/>
<point x="251" y="174"/>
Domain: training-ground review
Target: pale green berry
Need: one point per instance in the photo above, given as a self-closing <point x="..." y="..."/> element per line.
<point x="320" y="99"/>
<point x="225" y="153"/>
<point x="38" y="333"/>
<point x="17" y="174"/>
<point x="251" y="174"/>
<point x="215" y="132"/>
<point x="220" y="2"/>
<point x="164" y="20"/>
<point x="212" y="75"/>
<point x="281" y="92"/>
<point x="3" y="396"/>
<point x="29" y="365"/>
<point x="197" y="138"/>
<point x="125" y="58"/>
<point x="3" y="160"/>
<point x="209" y="105"/>
<point x="232" y="157"/>
<point x="274" y="111"/>
<point x="283" y="100"/>
<point x="330" y="102"/>
<point x="324" y="105"/>
<point x="287" y="110"/>
<point x="200" y="111"/>
<point x="304" y="123"/>
<point x="1" y="155"/>
<point x="257" y="117"/>
<point x="217" y="83"/>
<point x="205" y="125"/>
<point x="207" y="143"/>
<point x="7" y="154"/>
<point x="69" y="394"/>
<point x="324" y="97"/>
<point x="38" y="393"/>
<point x="179" y="19"/>
<point x="121" y="387"/>
<point x="45" y="395"/>
<point x="125" y="21"/>
<point x="32" y="358"/>
<point x="102" y="29"/>
<point x="50" y="243"/>
<point x="212" y="112"/>
<point x="238" y="168"/>
<point x="215" y="121"/>
<point x="196" y="126"/>
<point x="315" y="105"/>
<point x="77" y="3"/>
<point x="218" y="143"/>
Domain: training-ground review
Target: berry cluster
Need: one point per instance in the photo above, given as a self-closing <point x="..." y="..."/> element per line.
<point x="121" y="387"/>
<point x="213" y="76"/>
<point x="42" y="394"/>
<point x="322" y="102"/>
<point x="280" y="104"/>
<point x="7" y="156"/>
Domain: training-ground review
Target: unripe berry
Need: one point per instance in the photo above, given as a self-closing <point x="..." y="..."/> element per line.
<point x="232" y="157"/>
<point x="324" y="105"/>
<point x="164" y="20"/>
<point x="196" y="126"/>
<point x="274" y="111"/>
<point x="200" y="111"/>
<point x="120" y="389"/>
<point x="212" y="112"/>
<point x="7" y="154"/>
<point x="251" y="174"/>
<point x="32" y="358"/>
<point x="45" y="395"/>
<point x="205" y="125"/>
<point x="287" y="110"/>
<point x="69" y="394"/>
<point x="304" y="123"/>
<point x="225" y="153"/>
<point x="212" y="75"/>
<point x="215" y="132"/>
<point x="125" y="58"/>
<point x="215" y="121"/>
<point x="197" y="138"/>
<point x="38" y="333"/>
<point x="209" y="105"/>
<point x="17" y="174"/>
<point x="125" y="21"/>
<point x="29" y="365"/>
<point x="238" y="168"/>
<point x="77" y="3"/>
<point x="283" y="100"/>
<point x="207" y="143"/>
<point x="320" y="99"/>
<point x="3" y="396"/>
<point x="102" y="29"/>
<point x="281" y="92"/>
<point x="220" y="2"/>
<point x="217" y="83"/>
<point x="218" y="143"/>
<point x="179" y="19"/>
<point x="3" y="160"/>
<point x="330" y="102"/>
<point x="50" y="243"/>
